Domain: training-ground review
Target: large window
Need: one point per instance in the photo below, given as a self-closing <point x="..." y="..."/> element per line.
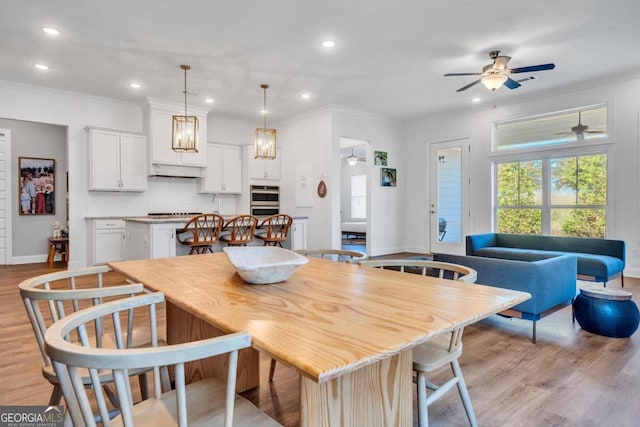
<point x="560" y="196"/>
<point x="359" y="196"/>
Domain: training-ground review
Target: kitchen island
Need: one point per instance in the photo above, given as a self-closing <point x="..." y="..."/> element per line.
<point x="150" y="237"/>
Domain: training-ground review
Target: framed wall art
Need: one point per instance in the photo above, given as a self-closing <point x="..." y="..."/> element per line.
<point x="380" y="158"/>
<point x="36" y="186"/>
<point x="388" y="177"/>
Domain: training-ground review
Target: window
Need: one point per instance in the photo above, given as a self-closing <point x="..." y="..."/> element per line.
<point x="359" y="196"/>
<point x="579" y="125"/>
<point x="556" y="195"/>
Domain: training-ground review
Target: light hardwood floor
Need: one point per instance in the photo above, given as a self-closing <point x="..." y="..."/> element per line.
<point x="569" y="378"/>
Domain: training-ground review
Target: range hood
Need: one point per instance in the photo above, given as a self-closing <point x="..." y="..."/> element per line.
<point x="175" y="171"/>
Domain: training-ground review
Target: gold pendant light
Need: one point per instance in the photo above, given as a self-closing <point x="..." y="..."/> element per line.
<point x="265" y="139"/>
<point x="184" y="137"/>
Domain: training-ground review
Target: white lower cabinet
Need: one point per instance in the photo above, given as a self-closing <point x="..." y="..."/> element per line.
<point x="108" y="240"/>
<point x="298" y="234"/>
<point x="146" y="240"/>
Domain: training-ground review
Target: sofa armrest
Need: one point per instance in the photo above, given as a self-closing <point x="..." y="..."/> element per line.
<point x="479" y="241"/>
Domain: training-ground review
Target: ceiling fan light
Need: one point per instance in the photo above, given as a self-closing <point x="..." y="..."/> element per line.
<point x="494" y="81"/>
<point x="352" y="160"/>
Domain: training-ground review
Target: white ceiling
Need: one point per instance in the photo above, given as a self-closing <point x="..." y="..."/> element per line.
<point x="389" y="58"/>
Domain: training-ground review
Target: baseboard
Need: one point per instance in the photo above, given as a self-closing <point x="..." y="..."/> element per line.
<point x="28" y="259"/>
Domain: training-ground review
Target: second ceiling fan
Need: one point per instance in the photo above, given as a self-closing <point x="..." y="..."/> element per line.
<point x="496" y="74"/>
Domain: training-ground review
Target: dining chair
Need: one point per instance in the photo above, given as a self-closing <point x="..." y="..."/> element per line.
<point x="206" y="402"/>
<point x="441" y="350"/>
<point x="274" y="229"/>
<point x="201" y="233"/>
<point x="241" y="230"/>
<point x="334" y="254"/>
<point x="48" y="298"/>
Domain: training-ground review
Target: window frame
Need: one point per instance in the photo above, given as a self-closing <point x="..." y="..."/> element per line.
<point x="545" y="156"/>
<point x="353" y="197"/>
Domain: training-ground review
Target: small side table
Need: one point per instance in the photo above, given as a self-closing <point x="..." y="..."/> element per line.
<point x="58" y="245"/>
<point x="606" y="311"/>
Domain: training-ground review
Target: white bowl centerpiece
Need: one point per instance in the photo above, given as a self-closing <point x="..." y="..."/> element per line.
<point x="262" y="265"/>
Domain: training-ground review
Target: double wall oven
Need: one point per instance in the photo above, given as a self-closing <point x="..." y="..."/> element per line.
<point x="265" y="200"/>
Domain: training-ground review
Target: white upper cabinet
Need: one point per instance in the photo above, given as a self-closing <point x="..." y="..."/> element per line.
<point x="158" y="121"/>
<point x="224" y="170"/>
<point x="117" y="160"/>
<point x="263" y="169"/>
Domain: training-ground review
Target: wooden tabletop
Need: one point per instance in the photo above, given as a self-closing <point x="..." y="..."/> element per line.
<point x="329" y="318"/>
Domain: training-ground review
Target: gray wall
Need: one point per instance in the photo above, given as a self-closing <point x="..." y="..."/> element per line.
<point x="29" y="139"/>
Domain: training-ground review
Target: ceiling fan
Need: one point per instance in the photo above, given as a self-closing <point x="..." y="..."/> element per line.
<point x="579" y="130"/>
<point x="496" y="74"/>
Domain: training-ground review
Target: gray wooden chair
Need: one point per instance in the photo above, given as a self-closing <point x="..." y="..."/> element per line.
<point x="334" y="254"/>
<point x="442" y="350"/>
<point x="205" y="402"/>
<point x="49" y="298"/>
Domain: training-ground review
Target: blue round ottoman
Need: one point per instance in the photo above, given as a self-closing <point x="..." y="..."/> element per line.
<point x="605" y="311"/>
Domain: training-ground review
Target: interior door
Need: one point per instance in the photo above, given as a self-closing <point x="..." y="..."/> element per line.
<point x="449" y="194"/>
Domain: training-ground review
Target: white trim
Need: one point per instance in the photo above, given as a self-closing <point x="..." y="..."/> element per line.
<point x="6" y="249"/>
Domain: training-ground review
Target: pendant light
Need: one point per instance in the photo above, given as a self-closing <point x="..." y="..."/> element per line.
<point x="184" y="137"/>
<point x="265" y="139"/>
<point x="352" y="160"/>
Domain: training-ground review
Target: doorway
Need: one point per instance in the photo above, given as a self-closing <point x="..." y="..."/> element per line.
<point x="353" y="194"/>
<point x="449" y="194"/>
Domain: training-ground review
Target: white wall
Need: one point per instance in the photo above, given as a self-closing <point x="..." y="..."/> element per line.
<point x="622" y="99"/>
<point x="307" y="139"/>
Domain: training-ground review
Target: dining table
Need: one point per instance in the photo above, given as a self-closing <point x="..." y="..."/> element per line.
<point x="348" y="330"/>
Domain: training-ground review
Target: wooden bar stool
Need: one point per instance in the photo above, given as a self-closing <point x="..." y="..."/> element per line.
<point x="58" y="245"/>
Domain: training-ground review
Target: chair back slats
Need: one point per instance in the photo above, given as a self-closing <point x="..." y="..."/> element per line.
<point x="201" y="232"/>
<point x="274" y="229"/>
<point x="241" y="230"/>
<point x="426" y="268"/>
<point x="69" y="357"/>
<point x="334" y="254"/>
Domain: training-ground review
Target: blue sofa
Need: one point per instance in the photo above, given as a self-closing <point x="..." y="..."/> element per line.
<point x="599" y="260"/>
<point x="550" y="279"/>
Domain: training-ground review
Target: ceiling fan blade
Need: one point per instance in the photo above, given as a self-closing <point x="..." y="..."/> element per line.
<point x="469" y="85"/>
<point x="512" y="84"/>
<point x="531" y="68"/>
<point x="595" y="131"/>
<point x="462" y="74"/>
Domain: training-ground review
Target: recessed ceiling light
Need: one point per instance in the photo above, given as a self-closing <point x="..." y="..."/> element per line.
<point x="305" y="95"/>
<point x="264" y="111"/>
<point x="135" y="85"/>
<point x="42" y="67"/>
<point x="476" y="100"/>
<point x="209" y="100"/>
<point x="328" y="43"/>
<point x="51" y="31"/>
